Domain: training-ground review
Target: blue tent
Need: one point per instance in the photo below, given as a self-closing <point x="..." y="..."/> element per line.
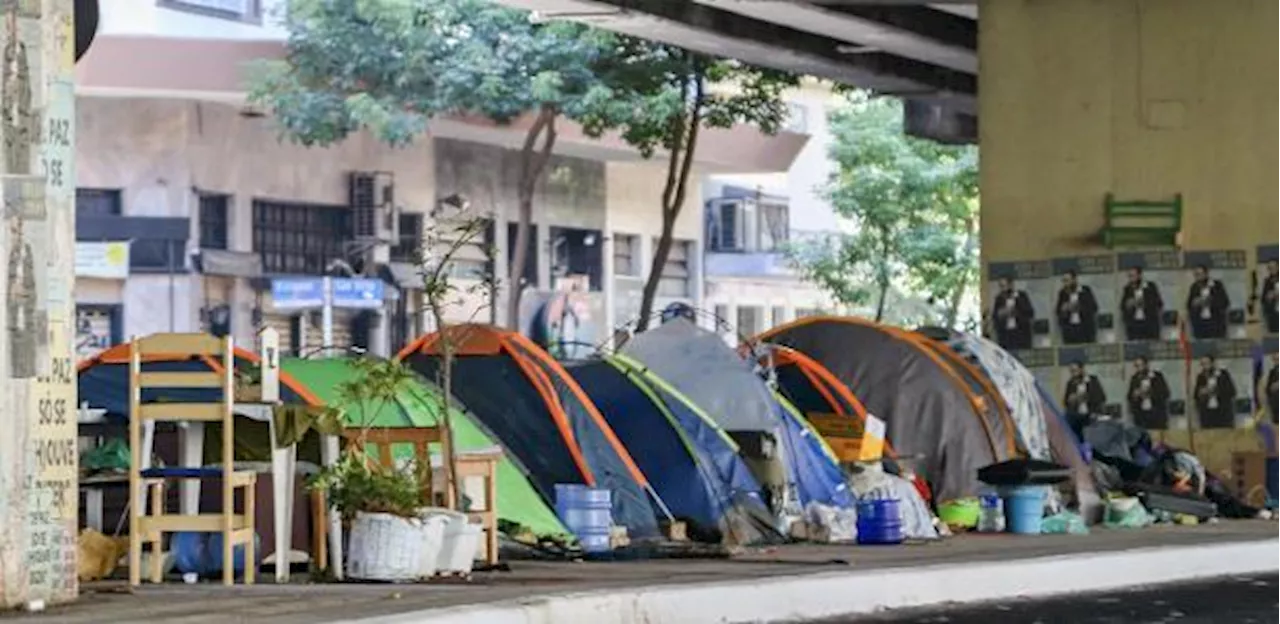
<point x="726" y="388"/>
<point x="692" y="464"/>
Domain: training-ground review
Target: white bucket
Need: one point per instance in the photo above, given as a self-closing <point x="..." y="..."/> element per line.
<point x="433" y="527"/>
<point x="460" y="544"/>
<point x="383" y="547"/>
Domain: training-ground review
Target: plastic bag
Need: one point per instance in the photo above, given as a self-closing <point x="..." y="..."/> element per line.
<point x="1066" y="522"/>
<point x="830" y="524"/>
<point x="1126" y="513"/>
<point x="111" y="456"/>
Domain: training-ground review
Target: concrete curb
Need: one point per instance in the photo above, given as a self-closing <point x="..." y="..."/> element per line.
<point x="831" y="595"/>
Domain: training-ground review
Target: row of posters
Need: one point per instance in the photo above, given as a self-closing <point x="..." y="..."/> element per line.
<point x="1160" y="339"/>
<point x="1132" y="297"/>
<point x="1162" y="384"/>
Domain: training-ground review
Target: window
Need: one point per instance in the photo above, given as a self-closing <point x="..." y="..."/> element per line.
<point x="749" y="320"/>
<point x="797" y="118"/>
<point x="213" y="221"/>
<point x="748" y="226"/>
<point x="626" y="255"/>
<point x="472" y="260"/>
<point x="675" y="273"/>
<point x="237" y="10"/>
<point x="577" y="252"/>
<point x="409" y="247"/>
<point x="299" y="238"/>
<point x="778" y="316"/>
<point x="98" y="202"/>
<point x="157" y="255"/>
<point x="530" y="277"/>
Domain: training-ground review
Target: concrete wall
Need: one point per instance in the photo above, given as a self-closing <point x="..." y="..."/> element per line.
<point x="1142" y="98"/>
<point x="151" y="17"/>
<point x="38" y="463"/>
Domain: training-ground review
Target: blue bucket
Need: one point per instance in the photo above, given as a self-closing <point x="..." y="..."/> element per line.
<point x="879" y="522"/>
<point x="1024" y="508"/>
<point x="588" y="512"/>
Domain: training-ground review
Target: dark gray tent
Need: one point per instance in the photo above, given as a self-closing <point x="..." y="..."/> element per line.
<point x="930" y="410"/>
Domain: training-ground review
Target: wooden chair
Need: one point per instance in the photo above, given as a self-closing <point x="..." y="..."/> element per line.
<point x="150" y="527"/>
<point x="383" y="439"/>
<point x="485" y="466"/>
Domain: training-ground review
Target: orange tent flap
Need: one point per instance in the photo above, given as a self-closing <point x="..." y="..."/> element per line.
<point x="468" y="339"/>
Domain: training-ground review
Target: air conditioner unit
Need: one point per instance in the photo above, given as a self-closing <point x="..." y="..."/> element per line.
<point x="374" y="212"/>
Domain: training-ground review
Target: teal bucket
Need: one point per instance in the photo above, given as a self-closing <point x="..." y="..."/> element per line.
<point x="1024" y="508"/>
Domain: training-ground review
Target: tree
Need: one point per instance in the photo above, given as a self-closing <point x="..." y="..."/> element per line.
<point x="912" y="206"/>
<point x="663" y="97"/>
<point x="391" y="66"/>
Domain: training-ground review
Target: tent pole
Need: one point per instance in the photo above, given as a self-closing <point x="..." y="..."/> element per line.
<point x="661" y="505"/>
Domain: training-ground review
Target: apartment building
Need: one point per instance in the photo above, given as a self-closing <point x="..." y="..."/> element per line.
<point x="193" y="215"/>
<point x="751" y="219"/>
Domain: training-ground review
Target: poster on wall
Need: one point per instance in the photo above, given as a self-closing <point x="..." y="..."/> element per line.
<point x="1092" y="382"/>
<point x="1018" y="317"/>
<point x="1084" y="300"/>
<point x="1267" y="368"/>
<point x="97" y="329"/>
<point x="1265" y="295"/>
<point x="1155" y="385"/>
<point x="1150" y="291"/>
<point x="1221" y="377"/>
<point x="1217" y="293"/>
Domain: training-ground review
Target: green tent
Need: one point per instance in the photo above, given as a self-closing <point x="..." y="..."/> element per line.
<point x="418" y="405"/>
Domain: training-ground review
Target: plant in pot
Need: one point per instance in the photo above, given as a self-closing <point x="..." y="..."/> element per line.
<point x="380" y="505"/>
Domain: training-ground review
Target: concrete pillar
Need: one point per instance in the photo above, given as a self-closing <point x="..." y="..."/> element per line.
<point x="38" y="472"/>
<point x="1141" y="98"/>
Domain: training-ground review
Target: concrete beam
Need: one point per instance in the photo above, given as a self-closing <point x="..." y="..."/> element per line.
<point x="714" y="31"/>
<point x="916" y="33"/>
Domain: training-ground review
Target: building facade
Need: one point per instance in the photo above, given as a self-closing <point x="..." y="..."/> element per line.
<point x="189" y="206"/>
<point x="752" y="219"/>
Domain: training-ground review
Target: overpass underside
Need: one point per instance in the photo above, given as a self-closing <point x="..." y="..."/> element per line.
<point x="925" y="54"/>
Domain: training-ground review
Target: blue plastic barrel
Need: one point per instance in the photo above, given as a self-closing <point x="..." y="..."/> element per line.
<point x="237" y="554"/>
<point x="1024" y="508"/>
<point x="587" y="512"/>
<point x="879" y="521"/>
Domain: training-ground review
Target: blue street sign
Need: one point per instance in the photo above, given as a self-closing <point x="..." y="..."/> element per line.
<point x="362" y="293"/>
<point x="297" y="293"/>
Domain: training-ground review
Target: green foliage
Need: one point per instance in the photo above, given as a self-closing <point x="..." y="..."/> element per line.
<point x="355" y="483"/>
<point x="390" y="66"/>
<point x="912" y="205"/>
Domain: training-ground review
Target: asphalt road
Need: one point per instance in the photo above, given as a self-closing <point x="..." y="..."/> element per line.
<point x="1242" y="600"/>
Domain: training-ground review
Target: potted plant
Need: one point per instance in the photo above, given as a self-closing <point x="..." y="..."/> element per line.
<point x="381" y="506"/>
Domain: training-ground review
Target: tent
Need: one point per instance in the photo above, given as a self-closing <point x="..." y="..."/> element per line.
<point x="700" y="366"/>
<point x="418" y="404"/>
<point x="811" y="388"/>
<point x="690" y="461"/>
<point x="104" y="383"/>
<point x="1042" y="429"/>
<point x="540" y="415"/>
<point x="929" y="409"/>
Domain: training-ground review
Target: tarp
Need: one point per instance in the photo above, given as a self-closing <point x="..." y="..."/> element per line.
<point x="526" y="399"/>
<point x="928" y="409"/>
<point x="725" y="387"/>
<point x="692" y="464"/>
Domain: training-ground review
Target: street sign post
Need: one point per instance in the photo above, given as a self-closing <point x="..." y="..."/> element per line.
<point x="327" y="293"/>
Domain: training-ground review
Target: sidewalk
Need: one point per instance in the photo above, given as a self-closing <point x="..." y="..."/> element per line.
<point x="792" y="583"/>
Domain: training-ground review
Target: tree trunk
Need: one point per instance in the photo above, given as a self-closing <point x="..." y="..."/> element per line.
<point x="881" y="300"/>
<point x="679" y="166"/>
<point x="957" y="297"/>
<point x="447" y="456"/>
<point x="533" y="161"/>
